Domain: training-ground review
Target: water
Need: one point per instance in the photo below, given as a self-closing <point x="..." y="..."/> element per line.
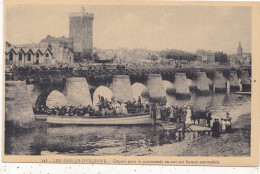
<point x="109" y="140"/>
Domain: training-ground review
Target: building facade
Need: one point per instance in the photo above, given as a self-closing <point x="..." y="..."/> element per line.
<point x="205" y="57"/>
<point x="46" y="53"/>
<point x="60" y="50"/>
<point x="22" y="56"/>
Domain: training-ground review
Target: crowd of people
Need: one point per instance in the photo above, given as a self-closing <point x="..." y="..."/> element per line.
<point x="103" y="108"/>
<point x="115" y="107"/>
<point x="221" y="127"/>
<point x="185" y="115"/>
<point x="63" y="110"/>
<point x="190" y="115"/>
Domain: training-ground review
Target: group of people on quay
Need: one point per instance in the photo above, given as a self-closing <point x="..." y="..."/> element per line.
<point x="189" y="115"/>
<point x="221" y="127"/>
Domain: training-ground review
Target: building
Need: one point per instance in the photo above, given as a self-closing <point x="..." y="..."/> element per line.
<point x="61" y="47"/>
<point x="61" y="50"/>
<point x="240" y="58"/>
<point x="28" y="56"/>
<point x="205" y="57"/>
<point x="81" y="32"/>
<point x="48" y="52"/>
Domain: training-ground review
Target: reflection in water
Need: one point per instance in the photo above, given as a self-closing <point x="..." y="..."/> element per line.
<point x="88" y="140"/>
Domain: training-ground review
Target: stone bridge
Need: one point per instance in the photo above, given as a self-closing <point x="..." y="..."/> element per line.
<point x="82" y="88"/>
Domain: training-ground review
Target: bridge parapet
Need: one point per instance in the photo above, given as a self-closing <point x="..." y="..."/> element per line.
<point x="94" y="76"/>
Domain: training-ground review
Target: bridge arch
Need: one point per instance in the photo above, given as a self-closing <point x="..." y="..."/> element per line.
<point x="102" y="91"/>
<point x="140" y="89"/>
<point x="56" y="98"/>
<point x="52" y="95"/>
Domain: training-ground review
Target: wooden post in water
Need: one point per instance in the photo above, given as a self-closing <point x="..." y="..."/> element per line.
<point x="125" y="141"/>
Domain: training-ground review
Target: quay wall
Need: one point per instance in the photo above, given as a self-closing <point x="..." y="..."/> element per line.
<point x="77" y="92"/>
<point x="182" y="87"/>
<point x="155" y="87"/>
<point x="122" y="88"/>
<point x="18" y="107"/>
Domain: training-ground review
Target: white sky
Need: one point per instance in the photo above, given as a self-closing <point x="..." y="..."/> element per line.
<point x="153" y="27"/>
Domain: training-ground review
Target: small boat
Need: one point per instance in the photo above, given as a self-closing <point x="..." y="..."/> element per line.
<point x="134" y="119"/>
<point x="244" y="93"/>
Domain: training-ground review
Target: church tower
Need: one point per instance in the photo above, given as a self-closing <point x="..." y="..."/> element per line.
<point x="239" y="49"/>
<point x="81" y="32"/>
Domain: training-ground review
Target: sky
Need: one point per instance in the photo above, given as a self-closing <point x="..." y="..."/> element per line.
<point x="153" y="27"/>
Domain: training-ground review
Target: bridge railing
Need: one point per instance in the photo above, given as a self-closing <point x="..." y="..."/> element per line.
<point x="34" y="75"/>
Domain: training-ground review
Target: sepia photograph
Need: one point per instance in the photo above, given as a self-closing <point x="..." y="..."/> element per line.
<point x="127" y="80"/>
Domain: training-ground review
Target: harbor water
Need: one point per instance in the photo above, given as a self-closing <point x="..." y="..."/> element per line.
<point x="110" y="140"/>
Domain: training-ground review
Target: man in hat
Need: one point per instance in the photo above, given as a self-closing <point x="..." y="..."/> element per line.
<point x="209" y="118"/>
<point x="216" y="128"/>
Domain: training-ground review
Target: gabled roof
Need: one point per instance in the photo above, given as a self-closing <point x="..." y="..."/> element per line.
<point x="38" y="50"/>
<point x="48" y="51"/>
<point x="20" y="50"/>
<point x="27" y="50"/>
<point x="8" y="50"/>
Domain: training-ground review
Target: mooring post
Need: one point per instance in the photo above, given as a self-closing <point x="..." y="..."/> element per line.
<point x="125" y="146"/>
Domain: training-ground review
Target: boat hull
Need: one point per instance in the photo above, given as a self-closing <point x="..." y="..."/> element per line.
<point x="244" y="93"/>
<point x="124" y="120"/>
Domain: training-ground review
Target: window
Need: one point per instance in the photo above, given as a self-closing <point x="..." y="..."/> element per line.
<point x="37" y="62"/>
<point x="11" y="56"/>
<point x="37" y="55"/>
<point x="46" y="55"/>
<point x="20" y="56"/>
<point x="29" y="57"/>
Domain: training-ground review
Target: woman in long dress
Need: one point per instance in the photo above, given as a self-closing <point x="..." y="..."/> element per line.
<point x="188" y="117"/>
<point x="124" y="109"/>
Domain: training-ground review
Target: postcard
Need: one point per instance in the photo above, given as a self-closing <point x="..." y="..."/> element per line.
<point x="135" y="83"/>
